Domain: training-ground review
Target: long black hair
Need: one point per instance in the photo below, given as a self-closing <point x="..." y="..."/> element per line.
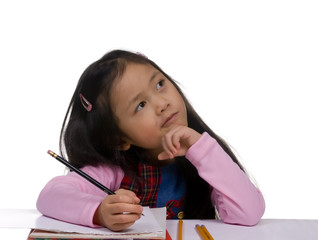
<point x="92" y="137"/>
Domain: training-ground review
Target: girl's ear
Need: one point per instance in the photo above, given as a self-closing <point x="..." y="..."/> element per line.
<point x="124" y="146"/>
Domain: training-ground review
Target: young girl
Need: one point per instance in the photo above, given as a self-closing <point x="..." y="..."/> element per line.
<point x="131" y="128"/>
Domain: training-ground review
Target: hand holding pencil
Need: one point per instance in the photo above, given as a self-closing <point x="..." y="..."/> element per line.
<point x="118" y="210"/>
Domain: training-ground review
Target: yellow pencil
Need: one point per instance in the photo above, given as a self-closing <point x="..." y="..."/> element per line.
<point x="180" y="230"/>
<point x="205" y="230"/>
<point x="201" y="233"/>
<point x="180" y="216"/>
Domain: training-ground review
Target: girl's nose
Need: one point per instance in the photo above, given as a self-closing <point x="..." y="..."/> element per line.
<point x="161" y="105"/>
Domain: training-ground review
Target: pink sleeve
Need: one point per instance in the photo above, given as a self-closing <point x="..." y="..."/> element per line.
<point x="237" y="200"/>
<point x="71" y="198"/>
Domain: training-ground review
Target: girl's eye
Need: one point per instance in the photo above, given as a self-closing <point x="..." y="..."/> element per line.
<point x="140" y="106"/>
<point x="160" y="84"/>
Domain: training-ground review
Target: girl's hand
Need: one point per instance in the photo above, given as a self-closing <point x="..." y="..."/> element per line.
<point x="118" y="211"/>
<point x="177" y="142"/>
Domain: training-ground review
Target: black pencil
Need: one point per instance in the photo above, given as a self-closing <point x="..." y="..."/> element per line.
<point x="81" y="173"/>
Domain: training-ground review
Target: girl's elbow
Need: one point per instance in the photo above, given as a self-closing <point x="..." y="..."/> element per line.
<point x="243" y="220"/>
<point x="44" y="202"/>
<point x="253" y="212"/>
<point x="40" y="204"/>
<point x="252" y="219"/>
<point x="247" y="217"/>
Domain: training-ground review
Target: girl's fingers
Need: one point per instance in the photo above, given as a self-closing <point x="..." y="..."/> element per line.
<point x="171" y="142"/>
<point x="118" y="211"/>
<point x="121" y="221"/>
<point x="123" y="195"/>
<point x="118" y="215"/>
<point x="166" y="148"/>
<point x="121" y="226"/>
<point x="123" y="208"/>
<point x="163" y="156"/>
<point x="177" y="141"/>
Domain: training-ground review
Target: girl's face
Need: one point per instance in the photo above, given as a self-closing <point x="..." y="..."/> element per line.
<point x="147" y="106"/>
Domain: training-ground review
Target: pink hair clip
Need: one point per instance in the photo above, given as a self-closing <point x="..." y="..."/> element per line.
<point x="141" y="54"/>
<point x="86" y="104"/>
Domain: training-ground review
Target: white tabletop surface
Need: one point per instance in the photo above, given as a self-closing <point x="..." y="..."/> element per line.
<point x="271" y="229"/>
<point x="267" y="229"/>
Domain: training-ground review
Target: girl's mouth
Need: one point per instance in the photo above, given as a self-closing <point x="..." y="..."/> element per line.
<point x="170" y="120"/>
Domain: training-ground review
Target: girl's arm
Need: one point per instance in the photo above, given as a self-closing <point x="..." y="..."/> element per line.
<point x="237" y="200"/>
<point x="72" y="198"/>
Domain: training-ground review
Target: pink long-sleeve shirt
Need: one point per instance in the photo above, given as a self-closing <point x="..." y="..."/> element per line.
<point x="73" y="199"/>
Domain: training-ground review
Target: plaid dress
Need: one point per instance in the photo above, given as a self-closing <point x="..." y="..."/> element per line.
<point x="158" y="187"/>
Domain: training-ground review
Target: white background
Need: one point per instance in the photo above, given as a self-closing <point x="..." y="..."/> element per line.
<point x="249" y="68"/>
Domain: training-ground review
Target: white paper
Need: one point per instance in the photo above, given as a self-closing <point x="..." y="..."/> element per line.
<point x="23" y="218"/>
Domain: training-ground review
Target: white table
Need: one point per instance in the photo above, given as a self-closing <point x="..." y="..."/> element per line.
<point x="266" y="229"/>
<point x="271" y="229"/>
